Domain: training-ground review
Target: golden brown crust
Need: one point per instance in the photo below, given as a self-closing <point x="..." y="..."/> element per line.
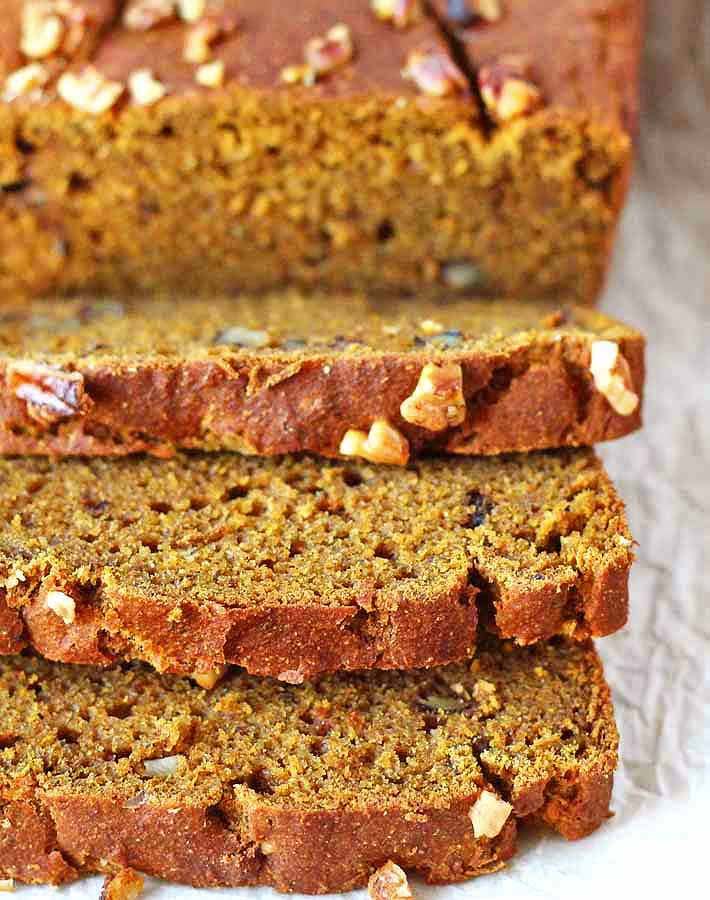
<point x="526" y="382"/>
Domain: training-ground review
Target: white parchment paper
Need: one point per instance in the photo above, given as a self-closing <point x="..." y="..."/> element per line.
<point x="657" y="844"/>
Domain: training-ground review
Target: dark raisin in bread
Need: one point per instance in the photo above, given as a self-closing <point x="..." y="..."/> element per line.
<point x="299" y="566"/>
<point x="288" y="372"/>
<point x="305" y="788"/>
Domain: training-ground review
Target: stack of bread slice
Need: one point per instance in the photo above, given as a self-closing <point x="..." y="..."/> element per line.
<point x="411" y="623"/>
<point x="302" y="542"/>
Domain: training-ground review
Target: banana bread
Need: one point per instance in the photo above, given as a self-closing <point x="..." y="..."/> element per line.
<point x="307" y="788"/>
<point x="288" y="372"/>
<point x="295" y="567"/>
<point x="222" y="144"/>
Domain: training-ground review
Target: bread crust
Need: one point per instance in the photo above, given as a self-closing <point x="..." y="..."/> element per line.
<point x="58" y="839"/>
<point x="294" y="644"/>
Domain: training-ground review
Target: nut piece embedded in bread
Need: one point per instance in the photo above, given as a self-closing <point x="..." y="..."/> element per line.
<point x="382" y="444"/>
<point x="389" y="882"/>
<point x="124" y="885"/>
<point x="489" y="814"/>
<point x="63" y="605"/>
<point x="612" y="377"/>
<point x="208" y="680"/>
<point x="438" y="401"/>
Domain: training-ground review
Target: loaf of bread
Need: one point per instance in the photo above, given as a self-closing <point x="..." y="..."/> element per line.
<point x="220" y="144"/>
<point x="290" y="372"/>
<point x="295" y="567"/>
<point x="306" y="788"/>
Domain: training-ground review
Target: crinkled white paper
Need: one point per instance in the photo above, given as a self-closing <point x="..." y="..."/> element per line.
<point x="658" y="843"/>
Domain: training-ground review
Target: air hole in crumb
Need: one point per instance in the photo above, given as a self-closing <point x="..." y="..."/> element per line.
<point x="167" y="131"/>
<point x="267" y="564"/>
<point x="218" y="815"/>
<point x="367" y="756"/>
<point x="198" y="503"/>
<point x="7" y="741"/>
<point x="77" y="183"/>
<point x="150" y="543"/>
<point x="259" y="782"/>
<point x="235" y="492"/>
<point x="553" y="544"/>
<point x="24" y="146"/>
<point x="501" y="379"/>
<point x="384" y="551"/>
<point x="89" y="538"/>
<point x="318" y="747"/>
<point x="120" y="710"/>
<point x="15" y="187"/>
<point x="482" y="507"/>
<point x="385" y="231"/>
<point x="352" y="478"/>
<point x="566" y="734"/>
<point x="257" y="509"/>
<point x="296" y="548"/>
<point x="67" y="735"/>
<point x="431" y="721"/>
<point x="161" y="507"/>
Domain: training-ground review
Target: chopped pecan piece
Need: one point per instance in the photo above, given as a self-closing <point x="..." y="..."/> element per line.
<point x="401" y="13"/>
<point x="612" y="377"/>
<point x="434" y="73"/>
<point x="438" y="401"/>
<point x="489" y="814"/>
<point x="382" y="444"/>
<point x="51" y="394"/>
<point x="507" y="89"/>
<point x="89" y="90"/>
<point x="210" y="74"/>
<point x="389" y="882"/>
<point x="62" y="605"/>
<point x="124" y="885"/>
<point x="22" y="81"/>
<point x="141" y="15"/>
<point x="42" y="29"/>
<point x="323" y="54"/>
<point x="208" y="680"/>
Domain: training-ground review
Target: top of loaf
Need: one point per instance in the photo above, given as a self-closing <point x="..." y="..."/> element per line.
<point x="583" y="53"/>
<point x="258" y="41"/>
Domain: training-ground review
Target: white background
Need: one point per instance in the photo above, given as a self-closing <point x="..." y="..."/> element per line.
<point x="658" y="843"/>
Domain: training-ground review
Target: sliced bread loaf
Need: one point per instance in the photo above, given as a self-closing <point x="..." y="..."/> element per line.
<point x="293" y="567"/>
<point x="305" y="788"/>
<point x="287" y="373"/>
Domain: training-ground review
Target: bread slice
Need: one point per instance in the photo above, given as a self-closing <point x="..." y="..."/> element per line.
<point x="289" y="373"/>
<point x="294" y="567"/>
<point x="305" y="788"/>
